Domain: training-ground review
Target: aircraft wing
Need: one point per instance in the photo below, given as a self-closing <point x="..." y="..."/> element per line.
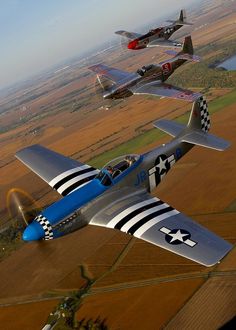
<point x="61" y="173"/>
<point x="150" y="219"/>
<point x="129" y="35"/>
<point x="158" y="88"/>
<point x="159" y="42"/>
<point x="113" y="74"/>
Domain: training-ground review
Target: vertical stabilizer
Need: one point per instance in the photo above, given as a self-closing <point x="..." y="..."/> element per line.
<point x="187" y="46"/>
<point x="199" y="117"/>
<point x="182" y="16"/>
<point x="182" y="19"/>
<point x="196" y="131"/>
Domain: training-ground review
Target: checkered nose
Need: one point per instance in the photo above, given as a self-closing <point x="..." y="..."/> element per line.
<point x="33" y="232"/>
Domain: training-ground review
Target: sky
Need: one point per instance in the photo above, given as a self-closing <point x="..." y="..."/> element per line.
<point x="35" y="35"/>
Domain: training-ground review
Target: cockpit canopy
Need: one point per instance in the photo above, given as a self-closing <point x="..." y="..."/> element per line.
<point x="144" y="69"/>
<point x="115" y="167"/>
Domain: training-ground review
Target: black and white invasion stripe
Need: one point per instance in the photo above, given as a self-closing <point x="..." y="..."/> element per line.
<point x="140" y="217"/>
<point x="48" y="232"/>
<point x="73" y="179"/>
<point x="205" y="117"/>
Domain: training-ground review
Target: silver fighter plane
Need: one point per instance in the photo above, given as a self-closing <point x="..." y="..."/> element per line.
<point x="117" y="84"/>
<point x="118" y="196"/>
<point x="155" y="37"/>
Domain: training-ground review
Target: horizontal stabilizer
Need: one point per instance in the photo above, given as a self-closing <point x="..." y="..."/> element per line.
<point x="168" y="126"/>
<point x="207" y="140"/>
<point x="189" y="57"/>
<point x="164" y="43"/>
<point x="195" y="136"/>
<point x="180" y="56"/>
<point x="179" y="22"/>
<point x="171" y="52"/>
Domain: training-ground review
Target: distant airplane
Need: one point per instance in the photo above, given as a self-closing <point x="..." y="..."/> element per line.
<point x="117" y="196"/>
<point x="156" y="37"/>
<point x="115" y="84"/>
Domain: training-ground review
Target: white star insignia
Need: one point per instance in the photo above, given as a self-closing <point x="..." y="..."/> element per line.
<point x="177" y="236"/>
<point x="162" y="165"/>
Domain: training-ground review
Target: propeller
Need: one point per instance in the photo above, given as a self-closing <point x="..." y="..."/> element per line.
<point x="101" y="87"/>
<point x="22" y="209"/>
<point x="124" y="43"/>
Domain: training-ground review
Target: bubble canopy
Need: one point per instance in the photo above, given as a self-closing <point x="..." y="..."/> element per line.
<point x="116" y="167"/>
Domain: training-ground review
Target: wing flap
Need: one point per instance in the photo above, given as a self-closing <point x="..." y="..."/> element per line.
<point x="148" y="218"/>
<point x="166" y="90"/>
<point x="61" y="173"/>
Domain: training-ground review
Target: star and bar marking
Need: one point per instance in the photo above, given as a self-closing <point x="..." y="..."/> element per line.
<point x="162" y="166"/>
<point x="177" y="236"/>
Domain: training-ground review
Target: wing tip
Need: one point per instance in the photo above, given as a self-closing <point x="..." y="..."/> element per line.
<point x="21" y="151"/>
<point x="94" y="66"/>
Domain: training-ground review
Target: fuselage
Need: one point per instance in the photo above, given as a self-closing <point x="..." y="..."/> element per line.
<point x="149" y="73"/>
<point x="158" y="33"/>
<point x="65" y="215"/>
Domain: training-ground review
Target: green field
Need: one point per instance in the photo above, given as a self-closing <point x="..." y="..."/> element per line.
<point x="133" y="145"/>
<point x="205" y="74"/>
<point x="223" y="101"/>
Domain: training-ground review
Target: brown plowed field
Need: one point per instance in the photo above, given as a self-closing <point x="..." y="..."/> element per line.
<point x="211" y="307"/>
<point x="38" y="268"/>
<point x="139" y="308"/>
<point x="26" y="316"/>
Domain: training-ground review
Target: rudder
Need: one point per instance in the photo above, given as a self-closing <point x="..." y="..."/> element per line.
<point x="182" y="16"/>
<point x="200" y="117"/>
<point x="187" y="46"/>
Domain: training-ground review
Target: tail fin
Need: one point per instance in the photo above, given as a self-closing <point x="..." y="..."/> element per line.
<point x="196" y="131"/>
<point x="182" y="16"/>
<point x="182" y="19"/>
<point x="187" y="46"/>
<point x="187" y="52"/>
<point x="200" y="117"/>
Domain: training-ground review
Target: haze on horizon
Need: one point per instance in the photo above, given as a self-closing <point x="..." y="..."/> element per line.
<point x="36" y="35"/>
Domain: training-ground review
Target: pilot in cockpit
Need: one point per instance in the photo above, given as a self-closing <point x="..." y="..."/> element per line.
<point x="144" y="69"/>
<point x="110" y="170"/>
<point x="130" y="160"/>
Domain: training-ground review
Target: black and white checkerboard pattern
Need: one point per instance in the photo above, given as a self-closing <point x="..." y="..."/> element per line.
<point x="46" y="226"/>
<point x="205" y="117"/>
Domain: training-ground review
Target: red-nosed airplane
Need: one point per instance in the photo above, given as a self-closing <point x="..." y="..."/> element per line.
<point x="156" y="37"/>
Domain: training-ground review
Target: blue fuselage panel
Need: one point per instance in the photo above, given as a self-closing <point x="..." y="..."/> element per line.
<point x="74" y="201"/>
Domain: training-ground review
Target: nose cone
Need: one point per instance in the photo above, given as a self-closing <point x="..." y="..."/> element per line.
<point x="132" y="44"/>
<point x="33" y="232"/>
